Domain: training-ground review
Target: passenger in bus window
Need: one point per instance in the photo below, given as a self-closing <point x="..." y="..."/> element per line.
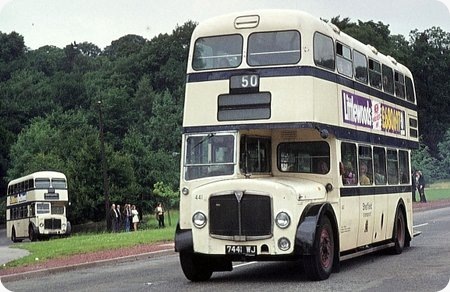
<point x="364" y="179"/>
<point x="323" y="167"/>
<point x="349" y="177"/>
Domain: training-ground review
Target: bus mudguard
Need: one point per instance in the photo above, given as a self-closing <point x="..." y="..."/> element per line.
<point x="306" y="230"/>
<point x="183" y="239"/>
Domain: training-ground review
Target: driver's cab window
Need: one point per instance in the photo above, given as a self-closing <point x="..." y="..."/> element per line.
<point x="255" y="154"/>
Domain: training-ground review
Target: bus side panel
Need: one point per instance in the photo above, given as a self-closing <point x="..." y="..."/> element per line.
<point x="366" y="220"/>
<point x="380" y="211"/>
<point x="348" y="229"/>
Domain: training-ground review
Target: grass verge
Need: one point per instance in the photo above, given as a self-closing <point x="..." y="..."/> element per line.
<point x="85" y="243"/>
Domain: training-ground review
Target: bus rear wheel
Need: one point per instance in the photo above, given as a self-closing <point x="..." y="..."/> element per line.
<point x="399" y="233"/>
<point x="318" y="266"/>
<point x="13" y="236"/>
<point x="195" y="267"/>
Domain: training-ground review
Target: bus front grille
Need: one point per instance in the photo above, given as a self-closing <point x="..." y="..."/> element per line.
<point x="240" y="220"/>
<point x="52" y="223"/>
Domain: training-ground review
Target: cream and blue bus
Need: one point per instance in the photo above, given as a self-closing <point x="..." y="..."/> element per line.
<point x="296" y="146"/>
<point x="36" y="206"/>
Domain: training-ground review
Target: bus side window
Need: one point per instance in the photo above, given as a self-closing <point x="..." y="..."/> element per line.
<point x="348" y="156"/>
<point x="344" y="60"/>
<point x="365" y="165"/>
<point x="375" y="74"/>
<point x="392" y="166"/>
<point x="360" y="64"/>
<point x="404" y="166"/>
<point x="388" y="79"/>
<point x="379" y="163"/>
<point x="324" y="51"/>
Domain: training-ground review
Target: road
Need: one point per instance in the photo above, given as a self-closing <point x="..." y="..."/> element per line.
<point x="425" y="266"/>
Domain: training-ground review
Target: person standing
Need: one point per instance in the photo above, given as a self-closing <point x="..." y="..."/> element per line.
<point x="127" y="217"/>
<point x="119" y="218"/>
<point x="421" y="186"/>
<point x="160" y="215"/>
<point x="413" y="186"/>
<point x="135" y="219"/>
<point x="113" y="218"/>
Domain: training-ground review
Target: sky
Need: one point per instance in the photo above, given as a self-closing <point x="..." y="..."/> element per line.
<point x="61" y="22"/>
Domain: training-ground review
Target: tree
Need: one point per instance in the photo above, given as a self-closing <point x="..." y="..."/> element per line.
<point x="421" y="159"/>
<point x="444" y="155"/>
<point x="12" y="47"/>
<point x="430" y="64"/>
<point x="370" y="32"/>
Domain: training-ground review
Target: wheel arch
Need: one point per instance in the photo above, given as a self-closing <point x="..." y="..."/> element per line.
<point x="307" y="228"/>
<point x="184" y="241"/>
<point x="402" y="208"/>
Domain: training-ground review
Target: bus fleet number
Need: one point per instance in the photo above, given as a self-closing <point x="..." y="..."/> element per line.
<point x="245" y="81"/>
<point x="249" y="81"/>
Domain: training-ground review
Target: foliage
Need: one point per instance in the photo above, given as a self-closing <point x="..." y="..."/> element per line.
<point x="427" y="164"/>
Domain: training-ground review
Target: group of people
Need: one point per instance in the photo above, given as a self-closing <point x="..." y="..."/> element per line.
<point x="125" y="217"/>
<point x="128" y="217"/>
<point x="418" y="183"/>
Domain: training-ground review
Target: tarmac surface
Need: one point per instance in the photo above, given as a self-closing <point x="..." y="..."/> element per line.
<point x="8" y="253"/>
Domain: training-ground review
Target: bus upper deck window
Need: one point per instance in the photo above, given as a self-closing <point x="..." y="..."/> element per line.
<point x="324" y="51"/>
<point x="217" y="52"/>
<point x="59" y="183"/>
<point x="344" y="60"/>
<point x="388" y="79"/>
<point x="375" y="74"/>
<point x="274" y="48"/>
<point x="360" y="67"/>
<point x="410" y="90"/>
<point x="42" y="183"/>
<point x="399" y="85"/>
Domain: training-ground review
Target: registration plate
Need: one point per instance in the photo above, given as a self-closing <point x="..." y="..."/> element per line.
<point x="241" y="249"/>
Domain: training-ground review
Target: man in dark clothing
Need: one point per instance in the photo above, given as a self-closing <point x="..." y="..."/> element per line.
<point x="421" y="187"/>
<point x="113" y="218"/>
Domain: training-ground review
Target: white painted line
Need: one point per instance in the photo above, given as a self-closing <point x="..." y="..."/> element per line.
<point x="244" y="264"/>
<point x="420" y="225"/>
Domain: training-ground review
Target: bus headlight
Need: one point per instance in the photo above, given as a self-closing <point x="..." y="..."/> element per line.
<point x="199" y="220"/>
<point x="185" y="191"/>
<point x="41" y="224"/>
<point x="284" y="244"/>
<point x="283" y="220"/>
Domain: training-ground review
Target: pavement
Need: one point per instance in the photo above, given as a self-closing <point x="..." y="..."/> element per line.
<point x="8" y="254"/>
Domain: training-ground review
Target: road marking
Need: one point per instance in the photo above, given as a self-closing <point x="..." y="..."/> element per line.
<point x="244" y="264"/>
<point x="420" y="225"/>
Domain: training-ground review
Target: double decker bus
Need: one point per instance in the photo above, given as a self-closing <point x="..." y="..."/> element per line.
<point x="36" y="206"/>
<point x="296" y="146"/>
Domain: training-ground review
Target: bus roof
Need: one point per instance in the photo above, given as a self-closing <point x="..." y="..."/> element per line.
<point x="39" y="174"/>
<point x="268" y="19"/>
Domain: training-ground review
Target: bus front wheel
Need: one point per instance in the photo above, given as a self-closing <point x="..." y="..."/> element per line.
<point x="195" y="267"/>
<point x="318" y="266"/>
<point x="31" y="234"/>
